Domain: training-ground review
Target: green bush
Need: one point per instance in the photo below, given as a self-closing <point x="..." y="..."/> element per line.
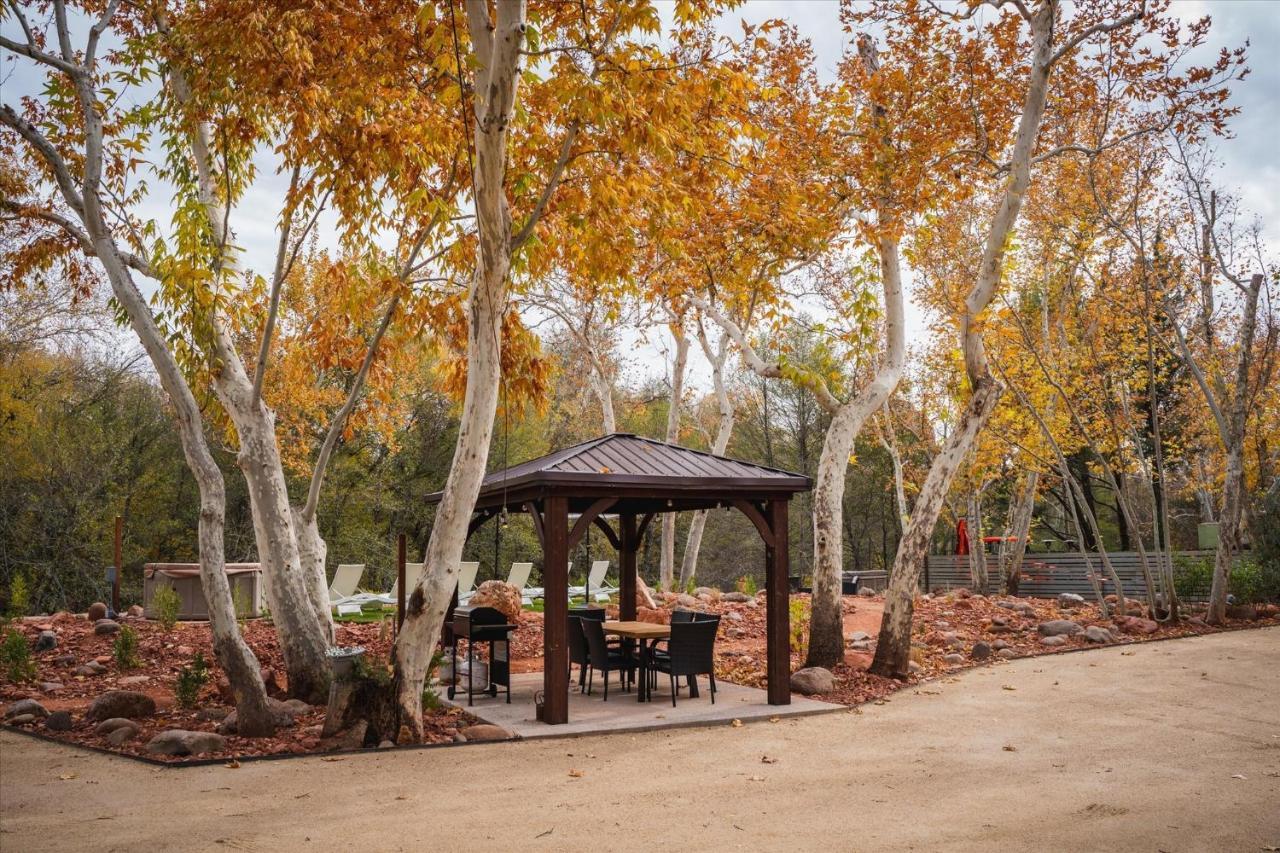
<point x="19" y="596"/>
<point x="166" y="603"/>
<point x="799" y="625"/>
<point x="15" y="657"/>
<point x="1192" y="578"/>
<point x="191" y="679"/>
<point x="1253" y="582"/>
<point x="747" y="585"/>
<point x="241" y="602"/>
<point x="690" y="586"/>
<point x="125" y="649"/>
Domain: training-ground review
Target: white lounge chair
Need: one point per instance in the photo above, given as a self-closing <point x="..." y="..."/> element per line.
<point x="412" y="572"/>
<point x="346" y="580"/>
<point x="595" y="586"/>
<point x="467" y="580"/>
<point x="519" y="578"/>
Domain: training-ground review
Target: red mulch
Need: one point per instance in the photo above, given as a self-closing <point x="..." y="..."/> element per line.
<point x="162" y="654"/>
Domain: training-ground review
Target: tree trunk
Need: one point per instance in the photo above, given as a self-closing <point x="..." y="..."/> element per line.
<point x="496" y="50"/>
<point x="312" y="551"/>
<point x="724" y="430"/>
<point x="893" y="649"/>
<point x="666" y="568"/>
<point x="1020" y="529"/>
<point x="977" y="548"/>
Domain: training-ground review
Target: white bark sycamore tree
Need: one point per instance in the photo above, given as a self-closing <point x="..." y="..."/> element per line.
<point x="86" y="170"/>
<point x="596" y="83"/>
<point x="1135" y="91"/>
<point x="679" y="363"/>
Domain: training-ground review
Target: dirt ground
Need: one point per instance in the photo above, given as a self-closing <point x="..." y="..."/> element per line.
<point x="1171" y="746"/>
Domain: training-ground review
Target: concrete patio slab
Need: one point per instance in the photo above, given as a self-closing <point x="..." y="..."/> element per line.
<point x="622" y="713"/>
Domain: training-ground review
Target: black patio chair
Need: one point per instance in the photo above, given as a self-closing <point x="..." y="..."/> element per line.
<point x="691" y="652"/>
<point x="601" y="657"/>
<point x="658" y="650"/>
<point x="578" y="651"/>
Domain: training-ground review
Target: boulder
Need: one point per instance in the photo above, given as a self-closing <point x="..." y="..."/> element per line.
<point x="104" y="627"/>
<point x="135" y="612"/>
<point x="735" y="597"/>
<point x="58" y="721"/>
<point x="811" y="680"/>
<point x="1054" y="640"/>
<point x="980" y="651"/>
<point x="46" y="641"/>
<point x="182" y="742"/>
<point x="686" y="600"/>
<point x="22" y="719"/>
<point x="652" y="615"/>
<point x="1006" y="653"/>
<point x="25" y="706"/>
<point x="865" y="592"/>
<point x="121" y="703"/>
<point x="953" y="659"/>
<point x="117" y="737"/>
<point x="1059" y="627"/>
<point x="1070" y="601"/>
<point x="711" y="594"/>
<point x="97" y="611"/>
<point x="1136" y="625"/>
<point x="1098" y="634"/>
<point x="501" y="596"/>
<point x="106" y="727"/>
<point x="485" y="731"/>
<point x="859" y="636"/>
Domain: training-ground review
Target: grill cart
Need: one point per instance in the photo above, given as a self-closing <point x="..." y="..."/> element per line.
<point x="483" y="625"/>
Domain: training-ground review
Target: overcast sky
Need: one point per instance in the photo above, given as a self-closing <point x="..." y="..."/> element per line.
<point x="1251" y="167"/>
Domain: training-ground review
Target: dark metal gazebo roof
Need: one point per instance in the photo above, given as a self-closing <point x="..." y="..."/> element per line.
<point x="642" y="473"/>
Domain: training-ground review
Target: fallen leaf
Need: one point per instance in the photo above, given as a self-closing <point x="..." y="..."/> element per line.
<point x="1238" y="776"/>
<point x="755" y="778"/>
<point x="737" y="724"/>
<point x="67" y="777"/>
<point x="1011" y="687"/>
<point x="576" y="773"/>
<point x="1009" y="748"/>
<point x="233" y="764"/>
<point x="545" y="834"/>
<point x="332" y="758"/>
<point x="775" y="719"/>
<point x="765" y="759"/>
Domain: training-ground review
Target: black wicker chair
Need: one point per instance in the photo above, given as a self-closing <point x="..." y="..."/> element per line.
<point x="578" y="651"/>
<point x="605" y="659"/>
<point x="691" y="652"/>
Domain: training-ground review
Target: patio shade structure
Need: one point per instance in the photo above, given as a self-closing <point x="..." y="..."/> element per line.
<point x="636" y="479"/>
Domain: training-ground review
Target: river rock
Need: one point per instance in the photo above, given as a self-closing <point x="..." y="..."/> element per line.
<point x="282" y="713"/>
<point x="46" y="641"/>
<point x="121" y="703"/>
<point x="953" y="659"/>
<point x="811" y="680"/>
<point x="135" y="612"/>
<point x="980" y="651"/>
<point x="104" y="627"/>
<point x="1006" y="654"/>
<point x="1136" y="625"/>
<point x="735" y="597"/>
<point x="118" y="737"/>
<point x="686" y="600"/>
<point x="859" y="636"/>
<point x="1098" y="634"/>
<point x="25" y="706"/>
<point x="1054" y="640"/>
<point x="22" y="719"/>
<point x="131" y="680"/>
<point x="108" y="726"/>
<point x="50" y="686"/>
<point x="58" y="721"/>
<point x="1059" y="627"/>
<point x="181" y="742"/>
<point x="1070" y="601"/>
<point x="97" y="611"/>
<point x="90" y="668"/>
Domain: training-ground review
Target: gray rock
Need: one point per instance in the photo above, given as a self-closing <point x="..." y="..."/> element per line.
<point x="811" y="680"/>
<point x="117" y="737"/>
<point x="281" y="712"/>
<point x="182" y="742"/>
<point x="64" y="660"/>
<point x="735" y="597"/>
<point x="861" y="646"/>
<point x="705" y="590"/>
<point x="1054" y="640"/>
<point x="1059" y="627"/>
<point x="25" y="706"/>
<point x="1098" y="634"/>
<point x="22" y="719"/>
<point x="51" y="686"/>
<point x="999" y="644"/>
<point x="217" y="713"/>
<point x="97" y="611"/>
<point x="1070" y="601"/>
<point x="89" y="669"/>
<point x="106" y="727"/>
<point x="58" y="721"/>
<point x="953" y="659"/>
<point x="130" y="680"/>
<point x="859" y="636"/>
<point x="46" y="641"/>
<point x="121" y="703"/>
<point x="913" y="667"/>
<point x="386" y="744"/>
<point x="106" y="626"/>
<point x="733" y="616"/>
<point x="459" y="737"/>
<point x="1006" y="653"/>
<point x="980" y="651"/>
<point x="867" y="593"/>
<point x="135" y="612"/>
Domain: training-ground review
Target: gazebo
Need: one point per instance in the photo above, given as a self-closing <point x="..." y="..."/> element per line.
<point x="635" y="479"/>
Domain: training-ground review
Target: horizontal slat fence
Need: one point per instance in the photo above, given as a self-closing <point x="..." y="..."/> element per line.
<point x="1048" y="575"/>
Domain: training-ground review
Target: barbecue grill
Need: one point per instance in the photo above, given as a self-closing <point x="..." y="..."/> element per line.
<point x="483" y="625"/>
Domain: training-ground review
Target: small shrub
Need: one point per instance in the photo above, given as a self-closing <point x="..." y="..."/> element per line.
<point x="241" y="602"/>
<point x="1250" y="584"/>
<point x="166" y="603"/>
<point x="690" y="586"/>
<point x="799" y="625"/>
<point x="430" y="698"/>
<point x="19" y="596"/>
<point x="191" y="680"/>
<point x="1192" y="578"/>
<point x="125" y="649"/>
<point x="15" y="657"/>
<point x="747" y="585"/>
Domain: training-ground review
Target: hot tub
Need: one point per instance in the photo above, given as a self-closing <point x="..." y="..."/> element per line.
<point x="245" y="579"/>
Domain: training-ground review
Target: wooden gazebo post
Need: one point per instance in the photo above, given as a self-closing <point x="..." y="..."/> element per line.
<point x="555" y="616"/>
<point x="778" y="605"/>
<point x="627" y="566"/>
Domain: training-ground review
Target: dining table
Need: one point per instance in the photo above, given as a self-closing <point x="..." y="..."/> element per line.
<point x="646" y="634"/>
